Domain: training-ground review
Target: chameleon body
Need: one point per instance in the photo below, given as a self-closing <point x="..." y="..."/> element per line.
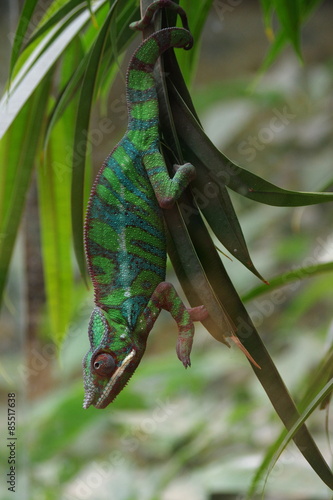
<point x="125" y="237"/>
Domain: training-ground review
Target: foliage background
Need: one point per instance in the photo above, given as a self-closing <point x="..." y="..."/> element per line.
<point x="175" y="434"/>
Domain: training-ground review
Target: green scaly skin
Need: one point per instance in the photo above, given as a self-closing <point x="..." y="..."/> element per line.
<point x="124" y="233"/>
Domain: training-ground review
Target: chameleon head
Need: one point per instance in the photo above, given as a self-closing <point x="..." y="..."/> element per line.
<point x="110" y="362"/>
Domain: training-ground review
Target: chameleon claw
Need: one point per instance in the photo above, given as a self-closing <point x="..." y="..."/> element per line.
<point x="183" y="349"/>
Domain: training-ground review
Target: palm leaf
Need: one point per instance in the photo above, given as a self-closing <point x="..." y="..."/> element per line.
<point x="288" y="277"/>
<point x="321" y="396"/>
<point x="300" y="10"/>
<point x="72" y="8"/>
<point x="319" y="377"/>
<point x="199" y="249"/>
<point x="54" y="208"/>
<point x="19" y="149"/>
<point x="20" y="35"/>
<point x="37" y="67"/>
<point x="289" y="15"/>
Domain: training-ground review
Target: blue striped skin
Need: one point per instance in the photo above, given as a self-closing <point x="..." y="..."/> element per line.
<point x="125" y="239"/>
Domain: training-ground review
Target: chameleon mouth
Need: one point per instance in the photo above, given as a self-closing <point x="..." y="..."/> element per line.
<point x="103" y="399"/>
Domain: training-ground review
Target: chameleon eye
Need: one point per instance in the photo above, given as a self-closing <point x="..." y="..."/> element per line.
<point x="104" y="364"/>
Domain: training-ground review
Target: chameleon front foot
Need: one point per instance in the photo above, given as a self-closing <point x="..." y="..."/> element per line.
<point x="183" y="350"/>
<point x="185" y="338"/>
<point x="166" y="297"/>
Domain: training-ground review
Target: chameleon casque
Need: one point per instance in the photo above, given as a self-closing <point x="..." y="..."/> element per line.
<point x="124" y="232"/>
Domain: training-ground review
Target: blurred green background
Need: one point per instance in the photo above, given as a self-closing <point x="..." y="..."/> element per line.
<point x="196" y="434"/>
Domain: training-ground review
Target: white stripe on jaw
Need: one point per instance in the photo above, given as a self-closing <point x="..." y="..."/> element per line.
<point x="117" y="374"/>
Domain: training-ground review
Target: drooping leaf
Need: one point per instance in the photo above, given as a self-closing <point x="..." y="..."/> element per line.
<point x="289" y="277"/>
<point x="197" y="13"/>
<point x="18" y="148"/>
<point x="54" y="181"/>
<point x="223" y="170"/>
<point x="319" y="377"/>
<point x="267" y="7"/>
<point x="268" y="375"/>
<point x="24" y="84"/>
<point x="72" y="8"/>
<point x="211" y="194"/>
<point x="200" y="248"/>
<point x="321" y="396"/>
<point x="289" y="15"/>
<point x="65" y="96"/>
<point x="305" y="8"/>
<point x="21" y="31"/>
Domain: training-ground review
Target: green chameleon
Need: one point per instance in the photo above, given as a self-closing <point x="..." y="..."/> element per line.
<point x="124" y="232"/>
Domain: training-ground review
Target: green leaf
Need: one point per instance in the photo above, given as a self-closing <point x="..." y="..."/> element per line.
<point x="61" y="17"/>
<point x="211" y="195"/>
<point x="223" y="170"/>
<point x="288" y="277"/>
<point x="318" y="378"/>
<point x="66" y="95"/>
<point x="18" y="151"/>
<point x="36" y="68"/>
<point x="289" y="15"/>
<point x="197" y="14"/>
<point x="279" y="40"/>
<point x="199" y="248"/>
<point x="20" y="35"/>
<point x="54" y="181"/>
<point x="276" y="47"/>
<point x="193" y="276"/>
<point x="268" y="375"/>
<point x="322" y="395"/>
<point x="267" y="7"/>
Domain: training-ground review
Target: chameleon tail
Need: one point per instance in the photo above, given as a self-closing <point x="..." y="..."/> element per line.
<point x="153" y="7"/>
<point x="141" y="87"/>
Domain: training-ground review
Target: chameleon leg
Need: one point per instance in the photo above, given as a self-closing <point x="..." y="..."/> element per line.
<point x="166" y="297"/>
<point x="167" y="190"/>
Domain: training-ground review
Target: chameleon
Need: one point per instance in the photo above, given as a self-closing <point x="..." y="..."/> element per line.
<point x="124" y="232"/>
